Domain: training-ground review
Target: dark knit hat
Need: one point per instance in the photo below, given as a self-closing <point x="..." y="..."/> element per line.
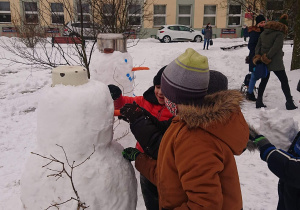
<point x="217" y="82"/>
<point x="284" y="19"/>
<point x="157" y="78"/>
<point x="185" y="80"/>
<point x="259" y="19"/>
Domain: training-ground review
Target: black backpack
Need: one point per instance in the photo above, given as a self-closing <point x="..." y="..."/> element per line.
<point x="247" y="79"/>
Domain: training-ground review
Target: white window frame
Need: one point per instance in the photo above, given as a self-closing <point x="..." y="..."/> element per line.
<point x="159" y="15"/>
<point x="210" y="15"/>
<point x="6" y="12"/>
<point x="57" y="13"/>
<point x="135" y="14"/>
<point x="185" y="15"/>
<point x="84" y="14"/>
<point x="32" y="12"/>
<point x="235" y="15"/>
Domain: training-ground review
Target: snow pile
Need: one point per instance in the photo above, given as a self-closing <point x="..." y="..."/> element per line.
<point x="279" y="129"/>
<point x="113" y="68"/>
<point x="72" y="121"/>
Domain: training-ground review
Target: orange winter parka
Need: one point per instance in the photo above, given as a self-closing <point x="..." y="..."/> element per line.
<point x="196" y="168"/>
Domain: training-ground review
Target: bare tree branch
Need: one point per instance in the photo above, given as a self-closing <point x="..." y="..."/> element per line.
<point x="58" y="173"/>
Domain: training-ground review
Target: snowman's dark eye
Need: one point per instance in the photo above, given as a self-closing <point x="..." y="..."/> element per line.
<point x="76" y="71"/>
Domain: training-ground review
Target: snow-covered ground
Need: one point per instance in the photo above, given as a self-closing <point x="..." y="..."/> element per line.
<point x="20" y="88"/>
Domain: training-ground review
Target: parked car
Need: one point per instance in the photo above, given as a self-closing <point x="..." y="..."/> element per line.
<point x="168" y="33"/>
<point x="90" y="30"/>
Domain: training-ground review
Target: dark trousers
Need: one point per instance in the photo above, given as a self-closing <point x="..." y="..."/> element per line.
<point x="281" y="75"/>
<point x="150" y="193"/>
<point x="206" y="43"/>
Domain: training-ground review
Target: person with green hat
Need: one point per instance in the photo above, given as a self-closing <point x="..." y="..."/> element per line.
<point x="195" y="167"/>
<point x="269" y="51"/>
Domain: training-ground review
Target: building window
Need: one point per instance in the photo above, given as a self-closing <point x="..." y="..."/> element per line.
<point x="57" y="13"/>
<point x="31" y="13"/>
<point x="5" y="15"/>
<point x="83" y="12"/>
<point x="184" y="15"/>
<point x="234" y="17"/>
<point x="107" y="9"/>
<point x="274" y="9"/>
<point x="135" y="14"/>
<point x="210" y="12"/>
<point x="159" y="16"/>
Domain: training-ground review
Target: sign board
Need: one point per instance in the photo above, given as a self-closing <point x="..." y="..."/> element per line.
<point x="9" y="29"/>
<point x="52" y="30"/>
<point x="228" y="31"/>
<point x="249" y="15"/>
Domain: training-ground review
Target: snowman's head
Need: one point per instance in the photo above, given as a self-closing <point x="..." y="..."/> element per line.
<point x="69" y="75"/>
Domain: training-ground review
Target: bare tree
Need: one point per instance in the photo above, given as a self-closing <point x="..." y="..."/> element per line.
<point x="296" y="26"/>
<point x="109" y="16"/>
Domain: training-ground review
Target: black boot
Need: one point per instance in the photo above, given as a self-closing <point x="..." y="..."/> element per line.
<point x="290" y="104"/>
<point x="250" y="96"/>
<point x="259" y="103"/>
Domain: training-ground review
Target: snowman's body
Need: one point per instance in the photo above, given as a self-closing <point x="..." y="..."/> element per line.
<point x="113" y="68"/>
<point x="79" y="119"/>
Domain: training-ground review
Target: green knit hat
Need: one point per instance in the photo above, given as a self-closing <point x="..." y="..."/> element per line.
<point x="185" y="80"/>
<point x="284" y="19"/>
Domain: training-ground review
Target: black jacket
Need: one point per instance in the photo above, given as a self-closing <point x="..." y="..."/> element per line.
<point x="148" y="131"/>
<point x="286" y="166"/>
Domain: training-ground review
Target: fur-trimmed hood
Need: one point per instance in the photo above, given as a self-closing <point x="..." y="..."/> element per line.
<point x="276" y="26"/>
<point x="254" y="28"/>
<point x="217" y="107"/>
<point x="221" y="116"/>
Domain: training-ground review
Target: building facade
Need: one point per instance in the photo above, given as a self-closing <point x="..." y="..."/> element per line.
<point x="221" y="14"/>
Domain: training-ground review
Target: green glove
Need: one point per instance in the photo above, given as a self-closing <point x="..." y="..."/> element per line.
<point x="260" y="140"/>
<point x="130" y="153"/>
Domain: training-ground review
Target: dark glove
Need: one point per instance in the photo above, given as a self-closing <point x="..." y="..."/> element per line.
<point x="263" y="144"/>
<point x="256" y="58"/>
<point x="265" y="59"/>
<point x="115" y="91"/>
<point x="131" y="111"/>
<point x="257" y="139"/>
<point x="130" y="153"/>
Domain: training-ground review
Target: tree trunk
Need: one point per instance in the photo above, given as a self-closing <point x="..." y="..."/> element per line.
<point x="296" y="50"/>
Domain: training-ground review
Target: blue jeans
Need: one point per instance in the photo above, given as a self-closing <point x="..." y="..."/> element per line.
<point x="206" y="41"/>
<point x="252" y="82"/>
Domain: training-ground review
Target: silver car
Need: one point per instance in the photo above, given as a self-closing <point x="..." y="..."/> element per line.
<point x="168" y="33"/>
<point x="90" y="30"/>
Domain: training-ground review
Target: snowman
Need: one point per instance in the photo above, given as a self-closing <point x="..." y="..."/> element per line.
<point x="112" y="64"/>
<point x="76" y="164"/>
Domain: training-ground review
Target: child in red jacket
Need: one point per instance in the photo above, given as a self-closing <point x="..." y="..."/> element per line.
<point x="152" y="101"/>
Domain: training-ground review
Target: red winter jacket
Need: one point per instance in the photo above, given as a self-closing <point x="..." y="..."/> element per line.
<point x="149" y="102"/>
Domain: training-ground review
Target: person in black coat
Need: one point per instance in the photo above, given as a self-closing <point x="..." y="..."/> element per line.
<point x="285" y="165"/>
<point x="207" y="36"/>
<point x="245" y="32"/>
<point x="254" y="33"/>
